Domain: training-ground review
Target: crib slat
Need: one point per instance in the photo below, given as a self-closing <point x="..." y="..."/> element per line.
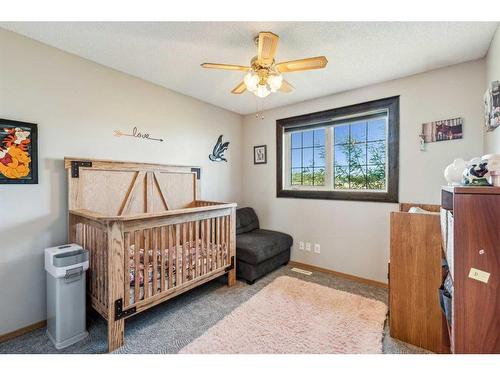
<point x="93" y="259"/>
<point x="217" y="242"/>
<point x="203" y="257"/>
<point x="154" y="246"/>
<point x="170" y="257"/>
<point x="106" y="269"/>
<point x="178" y="250"/>
<point x="163" y="258"/>
<point x="147" y="246"/>
<point x="209" y="247"/>
<point x="212" y="245"/>
<point x="192" y="251"/>
<point x="228" y="240"/>
<point x="137" y="261"/>
<point x="98" y="263"/>
<point x="197" y="248"/>
<point x="189" y="259"/>
<point x="100" y="251"/>
<point x="222" y="239"/>
<point x="126" y="268"/>
<point x="185" y="250"/>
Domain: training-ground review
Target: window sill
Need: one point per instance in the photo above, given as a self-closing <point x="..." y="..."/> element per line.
<point x="369" y="196"/>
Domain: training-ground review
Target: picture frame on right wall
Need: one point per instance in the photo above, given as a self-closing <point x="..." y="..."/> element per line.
<point x="492" y="106"/>
<point x="260" y="154"/>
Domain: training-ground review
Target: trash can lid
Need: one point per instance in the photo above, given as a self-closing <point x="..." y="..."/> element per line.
<point x="61" y="258"/>
<point x="70" y="258"/>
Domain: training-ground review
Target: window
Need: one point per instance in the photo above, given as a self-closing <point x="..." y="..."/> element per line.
<point x="308" y="158"/>
<point x="345" y="153"/>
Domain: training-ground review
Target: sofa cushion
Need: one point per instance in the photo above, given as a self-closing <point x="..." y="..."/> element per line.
<point x="260" y="244"/>
<point x="246" y="220"/>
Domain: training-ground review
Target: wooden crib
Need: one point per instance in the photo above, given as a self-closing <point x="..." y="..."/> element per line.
<point x="149" y="237"/>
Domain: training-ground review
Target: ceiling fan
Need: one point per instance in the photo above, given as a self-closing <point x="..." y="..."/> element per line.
<point x="264" y="75"/>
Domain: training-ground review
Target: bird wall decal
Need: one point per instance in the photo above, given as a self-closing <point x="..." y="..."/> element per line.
<point x="218" y="151"/>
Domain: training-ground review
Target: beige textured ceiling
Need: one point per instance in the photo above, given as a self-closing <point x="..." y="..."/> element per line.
<point x="359" y="53"/>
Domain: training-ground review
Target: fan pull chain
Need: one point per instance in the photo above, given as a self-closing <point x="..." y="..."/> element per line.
<point x="260" y="111"/>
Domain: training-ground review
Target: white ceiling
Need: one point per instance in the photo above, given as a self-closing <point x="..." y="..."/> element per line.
<point x="359" y="53"/>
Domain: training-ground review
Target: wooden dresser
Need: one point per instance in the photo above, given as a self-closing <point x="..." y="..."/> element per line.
<point x="470" y="223"/>
<point x="415" y="275"/>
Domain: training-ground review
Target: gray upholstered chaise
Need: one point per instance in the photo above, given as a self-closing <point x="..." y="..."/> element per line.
<point x="258" y="251"/>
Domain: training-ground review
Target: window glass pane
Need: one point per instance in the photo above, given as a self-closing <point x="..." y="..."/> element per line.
<point x="307" y="157"/>
<point x="341" y="178"/>
<point x="307" y="176"/>
<point x="319" y="137"/>
<point x="357" y="154"/>
<point x="307" y="138"/>
<point x="376" y="177"/>
<point x="341" y="155"/>
<point x="319" y="156"/>
<point x="358" y="178"/>
<point x="356" y="158"/>
<point x="376" y="152"/>
<point x="358" y="132"/>
<point x="296" y="176"/>
<point x="296" y="158"/>
<point x="341" y="134"/>
<point x="297" y="140"/>
<point x="376" y="130"/>
<point x="319" y="176"/>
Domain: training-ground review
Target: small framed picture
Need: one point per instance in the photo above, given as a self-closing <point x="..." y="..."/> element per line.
<point x="260" y="154"/>
<point x="18" y="152"/>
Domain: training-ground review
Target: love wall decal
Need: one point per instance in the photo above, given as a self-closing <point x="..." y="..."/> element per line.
<point x="137" y="134"/>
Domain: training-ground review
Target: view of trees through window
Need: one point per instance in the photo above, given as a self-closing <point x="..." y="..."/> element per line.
<point x="358" y="156"/>
<point x="308" y="157"/>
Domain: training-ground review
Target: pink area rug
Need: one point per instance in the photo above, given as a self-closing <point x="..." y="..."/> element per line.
<point x="294" y="316"/>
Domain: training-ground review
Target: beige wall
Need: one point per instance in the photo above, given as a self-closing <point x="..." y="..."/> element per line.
<point x="492" y="139"/>
<point x="354" y="236"/>
<point x="77" y="105"/>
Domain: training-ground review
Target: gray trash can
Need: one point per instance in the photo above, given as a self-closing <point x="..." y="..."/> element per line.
<point x="66" y="266"/>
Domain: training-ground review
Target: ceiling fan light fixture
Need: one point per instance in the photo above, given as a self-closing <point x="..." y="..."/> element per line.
<point x="262" y="91"/>
<point x="251" y="80"/>
<point x="275" y="81"/>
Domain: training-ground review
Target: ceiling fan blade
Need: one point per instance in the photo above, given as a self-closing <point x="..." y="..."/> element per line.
<point x="267" y="46"/>
<point x="286" y="87"/>
<point x="225" y="66"/>
<point x="302" y="64"/>
<point x="240" y="89"/>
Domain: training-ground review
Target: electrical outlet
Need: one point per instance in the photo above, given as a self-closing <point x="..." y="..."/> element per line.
<point x="317" y="248"/>
<point x="301" y="245"/>
<point x="308" y="246"/>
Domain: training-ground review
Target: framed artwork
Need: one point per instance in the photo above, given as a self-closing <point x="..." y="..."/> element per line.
<point x="260" y="154"/>
<point x="442" y="130"/>
<point x="492" y="106"/>
<point x="18" y="152"/>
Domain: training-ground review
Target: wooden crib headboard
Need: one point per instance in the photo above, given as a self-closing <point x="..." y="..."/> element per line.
<point x="117" y="188"/>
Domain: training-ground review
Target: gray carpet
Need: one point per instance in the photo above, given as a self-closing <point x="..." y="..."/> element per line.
<point x="168" y="327"/>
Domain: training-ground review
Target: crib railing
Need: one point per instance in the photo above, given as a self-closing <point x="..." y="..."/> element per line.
<point x="160" y="258"/>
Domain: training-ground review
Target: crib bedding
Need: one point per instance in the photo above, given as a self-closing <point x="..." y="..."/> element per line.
<point x="206" y="259"/>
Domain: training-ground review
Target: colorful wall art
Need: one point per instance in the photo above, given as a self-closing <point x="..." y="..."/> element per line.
<point x="18" y="152"/>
